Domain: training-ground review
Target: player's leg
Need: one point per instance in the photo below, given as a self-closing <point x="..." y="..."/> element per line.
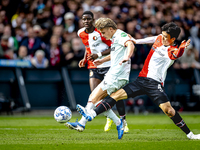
<point x="93" y="82"/>
<point x="122" y="113"/>
<point x="130" y="90"/>
<point x="177" y="119"/>
<point x="156" y="92"/>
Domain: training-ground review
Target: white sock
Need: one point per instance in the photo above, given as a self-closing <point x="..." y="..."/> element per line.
<point x="93" y="113"/>
<point x="110" y="114"/>
<point x="90" y="105"/>
<point x="83" y="121"/>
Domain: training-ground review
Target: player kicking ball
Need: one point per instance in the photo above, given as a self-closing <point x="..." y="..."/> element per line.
<point x="118" y="75"/>
<point x="97" y="47"/>
<point x="152" y="76"/>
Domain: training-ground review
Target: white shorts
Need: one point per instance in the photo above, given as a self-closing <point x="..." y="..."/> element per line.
<point x="112" y="84"/>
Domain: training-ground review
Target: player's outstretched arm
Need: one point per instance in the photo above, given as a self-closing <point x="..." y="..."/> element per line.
<point x="131" y="47"/>
<point x="175" y="53"/>
<point x="148" y="40"/>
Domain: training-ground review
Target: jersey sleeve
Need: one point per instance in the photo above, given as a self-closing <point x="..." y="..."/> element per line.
<point x="174" y="53"/>
<point x="123" y="38"/>
<point x="147" y="40"/>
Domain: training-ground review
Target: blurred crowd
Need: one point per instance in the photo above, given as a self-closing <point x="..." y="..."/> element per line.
<point x="45" y="31"/>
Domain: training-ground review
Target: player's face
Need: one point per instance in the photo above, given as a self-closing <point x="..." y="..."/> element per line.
<point x="167" y="40"/>
<point x="106" y="33"/>
<point x="87" y="20"/>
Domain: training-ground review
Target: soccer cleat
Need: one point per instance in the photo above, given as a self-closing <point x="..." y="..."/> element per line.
<point x="84" y="112"/>
<point x="126" y="129"/>
<point x="193" y="136"/>
<point x="120" y="129"/>
<point x="75" y="125"/>
<point x="108" y="125"/>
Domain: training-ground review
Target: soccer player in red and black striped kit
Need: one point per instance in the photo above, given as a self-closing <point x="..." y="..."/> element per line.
<point x="151" y="78"/>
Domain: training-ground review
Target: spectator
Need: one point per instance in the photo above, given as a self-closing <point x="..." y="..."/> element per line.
<point x="1" y="29"/>
<point x="32" y="42"/>
<point x="58" y="31"/>
<point x="188" y="59"/>
<point x="39" y="60"/>
<point x="67" y="54"/>
<point x="12" y="41"/>
<point x="4" y="45"/>
<point x="57" y="12"/>
<point x="23" y="53"/>
<point x="19" y="34"/>
<point x="55" y="52"/>
<point x="78" y="51"/>
<point x="70" y="24"/>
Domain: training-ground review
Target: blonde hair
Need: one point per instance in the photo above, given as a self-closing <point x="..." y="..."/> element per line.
<point x="105" y="23"/>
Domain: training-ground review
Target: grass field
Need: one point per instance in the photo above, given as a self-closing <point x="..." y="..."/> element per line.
<point x="153" y="131"/>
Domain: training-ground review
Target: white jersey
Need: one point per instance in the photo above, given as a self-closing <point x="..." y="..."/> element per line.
<point x="159" y="59"/>
<point x="118" y="51"/>
<point x="94" y="43"/>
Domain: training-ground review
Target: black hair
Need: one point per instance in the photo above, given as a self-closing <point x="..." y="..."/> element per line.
<point x="172" y="29"/>
<point x="88" y="13"/>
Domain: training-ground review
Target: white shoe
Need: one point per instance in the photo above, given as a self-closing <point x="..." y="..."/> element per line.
<point x="88" y="116"/>
<point x="193" y="136"/>
<point x="75" y="125"/>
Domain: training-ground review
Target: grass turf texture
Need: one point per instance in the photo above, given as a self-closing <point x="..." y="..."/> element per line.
<point x="154" y="131"/>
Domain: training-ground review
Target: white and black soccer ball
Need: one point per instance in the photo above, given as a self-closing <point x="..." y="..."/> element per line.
<point x="62" y="114"/>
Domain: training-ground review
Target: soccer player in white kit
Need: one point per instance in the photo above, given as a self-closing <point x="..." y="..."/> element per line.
<point x="118" y="75"/>
<point x="151" y="78"/>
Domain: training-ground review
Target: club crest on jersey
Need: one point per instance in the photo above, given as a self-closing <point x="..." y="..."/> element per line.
<point x="94" y="38"/>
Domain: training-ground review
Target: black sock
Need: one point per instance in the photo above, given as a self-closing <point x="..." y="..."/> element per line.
<point x="105" y="105"/>
<point x="121" y="109"/>
<point x="180" y="123"/>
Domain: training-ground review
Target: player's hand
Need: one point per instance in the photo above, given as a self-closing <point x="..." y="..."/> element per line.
<point x="92" y="57"/>
<point x="187" y="43"/>
<point x="97" y="62"/>
<point x="81" y="63"/>
<point x="124" y="60"/>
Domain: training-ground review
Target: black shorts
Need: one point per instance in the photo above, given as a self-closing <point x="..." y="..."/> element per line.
<point x="98" y="73"/>
<point x="147" y="86"/>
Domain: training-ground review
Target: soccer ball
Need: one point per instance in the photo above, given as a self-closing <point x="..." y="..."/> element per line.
<point x="62" y="114"/>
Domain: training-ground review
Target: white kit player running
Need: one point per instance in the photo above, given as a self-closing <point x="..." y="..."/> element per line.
<point x="97" y="47"/>
<point x="118" y="75"/>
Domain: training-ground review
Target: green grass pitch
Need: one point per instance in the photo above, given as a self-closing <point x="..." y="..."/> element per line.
<point x="153" y="131"/>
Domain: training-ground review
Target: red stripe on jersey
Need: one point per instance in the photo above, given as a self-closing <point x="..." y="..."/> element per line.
<point x="144" y="71"/>
<point x="157" y="43"/>
<point x="108" y="42"/>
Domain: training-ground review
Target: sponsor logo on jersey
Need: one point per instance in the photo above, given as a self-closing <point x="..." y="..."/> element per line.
<point x="94" y="38"/>
<point x="159" y="52"/>
<point x="95" y="44"/>
<point x="123" y="34"/>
